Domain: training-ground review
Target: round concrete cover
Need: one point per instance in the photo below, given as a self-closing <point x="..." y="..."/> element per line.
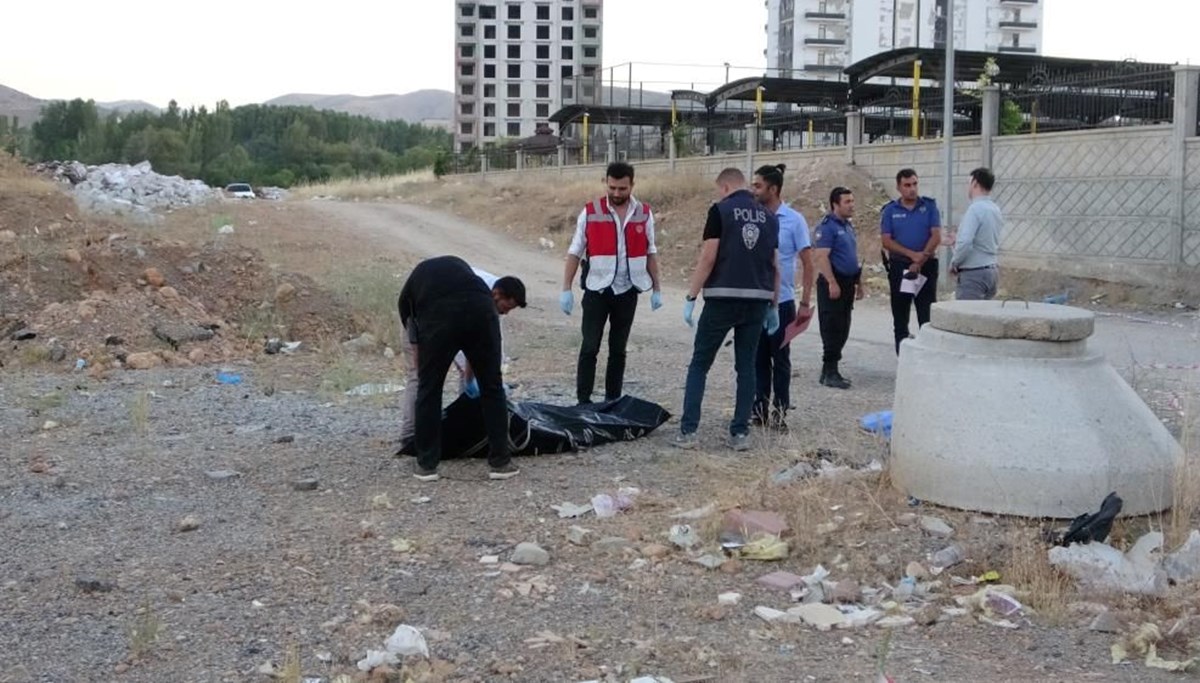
<point x="1013" y="320"/>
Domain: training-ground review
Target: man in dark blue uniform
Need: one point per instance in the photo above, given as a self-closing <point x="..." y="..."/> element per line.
<point x="911" y="229"/>
<point x="839" y="282"/>
<point x="739" y="275"/>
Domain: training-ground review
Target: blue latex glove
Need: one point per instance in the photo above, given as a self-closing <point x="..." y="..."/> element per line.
<point x="655" y="300"/>
<point x="771" y="324"/>
<point x="566" y="301"/>
<point x="688" y="308"/>
<point x="471" y="388"/>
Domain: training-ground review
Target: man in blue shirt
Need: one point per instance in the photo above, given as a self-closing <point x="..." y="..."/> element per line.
<point x="839" y="282"/>
<point x="774" y="362"/>
<point x="911" y="228"/>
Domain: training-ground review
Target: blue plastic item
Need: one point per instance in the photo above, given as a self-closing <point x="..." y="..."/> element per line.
<point x="878" y="423"/>
<point x="229" y="378"/>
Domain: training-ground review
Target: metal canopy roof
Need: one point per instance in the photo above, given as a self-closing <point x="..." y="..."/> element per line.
<point x="1015" y="67"/>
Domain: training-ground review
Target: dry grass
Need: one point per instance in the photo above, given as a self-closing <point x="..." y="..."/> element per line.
<point x="1185" y="505"/>
<point x="1027" y="567"/>
<point x="145" y="632"/>
<point x="380" y="187"/>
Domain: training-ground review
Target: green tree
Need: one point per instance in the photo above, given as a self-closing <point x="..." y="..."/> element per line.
<point x="1011" y="118"/>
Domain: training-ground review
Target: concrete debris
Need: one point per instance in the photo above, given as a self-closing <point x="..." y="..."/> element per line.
<point x="117" y="188"/>
<point x="530" y="554"/>
<point x="1183" y="565"/>
<point x="1105" y="622"/>
<point x="936" y="526"/>
<point x="1102" y="567"/>
<point x="177" y="334"/>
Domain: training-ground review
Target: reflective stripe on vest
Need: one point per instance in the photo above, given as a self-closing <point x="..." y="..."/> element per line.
<point x="601" y="233"/>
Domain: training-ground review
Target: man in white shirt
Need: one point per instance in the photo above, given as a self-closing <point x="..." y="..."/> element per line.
<point x="614" y="238"/>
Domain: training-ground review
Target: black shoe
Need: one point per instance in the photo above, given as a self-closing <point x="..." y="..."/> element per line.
<point x="779" y="421"/>
<point x="504" y="472"/>
<point x="835" y="380"/>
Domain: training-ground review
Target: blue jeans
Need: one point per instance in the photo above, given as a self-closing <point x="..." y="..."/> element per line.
<point x="745" y="317"/>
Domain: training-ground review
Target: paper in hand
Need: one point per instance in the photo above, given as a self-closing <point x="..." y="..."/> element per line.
<point x="913" y="286"/>
<point x="804" y="316"/>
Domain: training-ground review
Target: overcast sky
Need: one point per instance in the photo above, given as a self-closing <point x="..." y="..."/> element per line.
<point x="253" y="50"/>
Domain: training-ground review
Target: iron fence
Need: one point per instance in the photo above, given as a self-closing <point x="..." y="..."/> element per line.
<point x="1130" y="94"/>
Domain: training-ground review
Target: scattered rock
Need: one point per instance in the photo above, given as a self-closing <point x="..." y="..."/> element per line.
<point x="797" y="472"/>
<point x="712" y="561"/>
<point x="823" y="617"/>
<point x="305" y="484"/>
<point x="286" y="438"/>
<point x="612" y="544"/>
<point x="222" y="475"/>
<point x="928" y="615"/>
<point x="285" y="293"/>
<point x="364" y="343"/>
<point x="388" y="353"/>
<point x="113" y="340"/>
<point x="729" y="599"/>
<point x="168" y="293"/>
<point x="897" y="621"/>
<point x="24" y="334"/>
<point x="530" y="554"/>
<point x="1105" y="622"/>
<point x="655" y="551"/>
<point x="188" y="523"/>
<point x="1183" y="565"/>
<point x="769" y="615"/>
<point x="58" y="353"/>
<point x="49" y="425"/>
<point x="72" y="256"/>
<point x="143" y="361"/>
<point x="7" y="236"/>
<point x="197" y="355"/>
<point x="92" y="584"/>
<point x="936" y="526"/>
<point x="177" y="334"/>
<point x="781" y="580"/>
<point x="916" y="570"/>
<point x="577" y="535"/>
<point x="846" y="590"/>
<point x="154" y="277"/>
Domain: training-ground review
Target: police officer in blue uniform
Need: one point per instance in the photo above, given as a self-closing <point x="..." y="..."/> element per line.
<point x="839" y="282"/>
<point x="911" y="230"/>
<point x="738" y="272"/>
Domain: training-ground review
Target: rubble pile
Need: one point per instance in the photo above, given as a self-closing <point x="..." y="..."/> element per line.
<point x="121" y="188"/>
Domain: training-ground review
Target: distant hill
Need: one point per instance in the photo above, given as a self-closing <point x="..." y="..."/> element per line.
<point x="25" y="107"/>
<point x="28" y="108"/>
<point x="414" y="107"/>
<point x="129" y="106"/>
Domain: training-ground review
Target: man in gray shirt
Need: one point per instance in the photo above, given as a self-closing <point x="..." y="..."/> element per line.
<point x="978" y="241"/>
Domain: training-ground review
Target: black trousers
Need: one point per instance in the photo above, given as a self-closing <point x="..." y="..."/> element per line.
<point x="617" y="311"/>
<point x="902" y="304"/>
<point x="467" y="323"/>
<point x="833" y="316"/>
<point x="773" y="366"/>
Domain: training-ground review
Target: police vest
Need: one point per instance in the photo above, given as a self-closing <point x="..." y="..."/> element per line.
<point x="745" y="266"/>
<point x="602" y="239"/>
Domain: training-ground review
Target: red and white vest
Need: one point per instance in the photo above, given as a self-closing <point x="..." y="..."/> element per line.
<point x="601" y="233"/>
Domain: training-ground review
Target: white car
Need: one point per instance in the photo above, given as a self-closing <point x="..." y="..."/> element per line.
<point x="239" y="191"/>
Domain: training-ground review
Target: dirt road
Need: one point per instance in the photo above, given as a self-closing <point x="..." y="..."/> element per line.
<point x="97" y="562"/>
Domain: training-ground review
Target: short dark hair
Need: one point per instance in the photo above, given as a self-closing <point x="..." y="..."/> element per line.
<point x="835" y="197"/>
<point x="511" y="288"/>
<point x="984" y="177"/>
<point x="905" y="173"/>
<point x="771" y="175"/>
<point x="619" y="169"/>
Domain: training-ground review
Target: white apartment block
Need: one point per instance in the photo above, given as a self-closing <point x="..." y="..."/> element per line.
<point x="518" y="61"/>
<point x="816" y="39"/>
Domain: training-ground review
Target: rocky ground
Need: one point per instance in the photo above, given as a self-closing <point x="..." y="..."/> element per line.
<point x="164" y="525"/>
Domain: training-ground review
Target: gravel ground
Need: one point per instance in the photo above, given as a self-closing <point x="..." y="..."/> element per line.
<point x="97" y="563"/>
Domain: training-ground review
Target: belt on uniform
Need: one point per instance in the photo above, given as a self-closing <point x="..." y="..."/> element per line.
<point x="964" y="270"/>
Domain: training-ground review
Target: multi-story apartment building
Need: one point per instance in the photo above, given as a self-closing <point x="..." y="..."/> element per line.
<point x="518" y="61"/>
<point x="816" y="39"/>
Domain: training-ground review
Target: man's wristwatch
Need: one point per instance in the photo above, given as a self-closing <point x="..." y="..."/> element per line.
<point x="689" y="297"/>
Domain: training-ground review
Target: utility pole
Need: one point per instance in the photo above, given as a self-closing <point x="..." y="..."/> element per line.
<point x="948" y="139"/>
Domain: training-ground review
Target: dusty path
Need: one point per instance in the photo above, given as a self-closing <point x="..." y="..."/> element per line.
<point x="90" y="513"/>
